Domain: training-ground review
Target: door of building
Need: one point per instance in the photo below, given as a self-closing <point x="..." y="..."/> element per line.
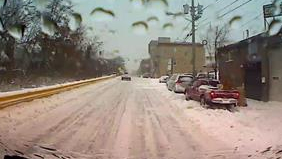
<point x="253" y="84"/>
<point x="275" y="76"/>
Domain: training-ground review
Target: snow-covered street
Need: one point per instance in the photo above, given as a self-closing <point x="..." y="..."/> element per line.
<point x="140" y="119"/>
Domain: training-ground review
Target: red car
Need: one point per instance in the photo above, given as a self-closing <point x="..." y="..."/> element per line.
<point x="208" y="93"/>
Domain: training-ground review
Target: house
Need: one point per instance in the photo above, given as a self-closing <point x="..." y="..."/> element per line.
<point x="174" y="57"/>
<point x="254" y="64"/>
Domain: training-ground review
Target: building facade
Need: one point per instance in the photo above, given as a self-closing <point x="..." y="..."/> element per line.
<point x="145" y="66"/>
<point x="172" y="57"/>
<point x="254" y="64"/>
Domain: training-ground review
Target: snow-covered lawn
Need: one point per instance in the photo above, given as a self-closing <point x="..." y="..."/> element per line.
<point x="255" y="130"/>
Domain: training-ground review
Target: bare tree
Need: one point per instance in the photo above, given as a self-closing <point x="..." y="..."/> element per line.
<point x="216" y="37"/>
<point x="19" y="15"/>
<point x="59" y="11"/>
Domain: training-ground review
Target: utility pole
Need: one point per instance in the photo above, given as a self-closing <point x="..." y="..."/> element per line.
<point x="193" y="13"/>
<point x="196" y="13"/>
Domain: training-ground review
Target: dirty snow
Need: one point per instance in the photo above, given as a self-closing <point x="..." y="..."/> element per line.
<point x="255" y="130"/>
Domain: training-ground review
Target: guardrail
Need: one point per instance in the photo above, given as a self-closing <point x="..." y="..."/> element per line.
<point x="12" y="98"/>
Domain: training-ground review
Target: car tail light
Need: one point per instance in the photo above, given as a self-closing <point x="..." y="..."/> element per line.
<point x="212" y="94"/>
<point x="237" y="95"/>
<point x="178" y="82"/>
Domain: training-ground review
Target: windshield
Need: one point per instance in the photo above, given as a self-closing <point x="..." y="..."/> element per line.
<point x="186" y="78"/>
<point x="121" y="79"/>
<point x="214" y="83"/>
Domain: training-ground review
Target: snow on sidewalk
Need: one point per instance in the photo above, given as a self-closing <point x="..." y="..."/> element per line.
<point x="252" y="130"/>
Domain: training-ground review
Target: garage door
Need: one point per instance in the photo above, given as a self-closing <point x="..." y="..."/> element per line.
<point x="275" y="92"/>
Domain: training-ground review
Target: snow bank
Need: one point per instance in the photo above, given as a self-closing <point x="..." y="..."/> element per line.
<point x="27" y="90"/>
<point x="251" y="130"/>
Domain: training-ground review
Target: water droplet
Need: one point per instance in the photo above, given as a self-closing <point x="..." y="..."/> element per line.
<point x="102" y="15"/>
<point x="274" y="27"/>
<point x="140" y="27"/>
<point x="234" y="22"/>
<point x="168" y="27"/>
<point x="153" y="20"/>
<point x="75" y="21"/>
<point x="16" y="31"/>
<point x="48" y="26"/>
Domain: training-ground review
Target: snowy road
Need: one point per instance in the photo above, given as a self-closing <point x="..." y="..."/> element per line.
<point x="109" y="120"/>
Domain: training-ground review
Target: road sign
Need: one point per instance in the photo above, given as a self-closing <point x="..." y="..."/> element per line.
<point x="270" y="10"/>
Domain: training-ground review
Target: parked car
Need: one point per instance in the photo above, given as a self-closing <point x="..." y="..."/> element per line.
<point x="179" y="82"/>
<point x="163" y="79"/>
<point x="125" y="77"/>
<point x="207" y="91"/>
<point x="202" y="75"/>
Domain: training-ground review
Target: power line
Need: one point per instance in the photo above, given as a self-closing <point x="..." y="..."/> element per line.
<point x="235" y="8"/>
<point x="210" y="5"/>
<point x="251" y="20"/>
<point x="230" y="4"/>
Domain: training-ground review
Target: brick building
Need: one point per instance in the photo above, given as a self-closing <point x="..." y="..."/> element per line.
<point x="254" y="64"/>
<point x="164" y="53"/>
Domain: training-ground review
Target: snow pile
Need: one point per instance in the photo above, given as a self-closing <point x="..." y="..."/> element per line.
<point x="27" y="90"/>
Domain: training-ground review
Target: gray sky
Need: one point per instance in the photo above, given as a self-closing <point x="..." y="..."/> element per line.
<point x="132" y="42"/>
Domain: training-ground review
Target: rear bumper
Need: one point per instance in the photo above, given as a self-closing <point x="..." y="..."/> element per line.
<point x="126" y="78"/>
<point x="179" y="89"/>
<point x="223" y="101"/>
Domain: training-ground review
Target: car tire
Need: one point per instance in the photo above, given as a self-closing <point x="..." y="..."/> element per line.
<point x="174" y="90"/>
<point x="231" y="108"/>
<point x="203" y="102"/>
<point x="187" y="98"/>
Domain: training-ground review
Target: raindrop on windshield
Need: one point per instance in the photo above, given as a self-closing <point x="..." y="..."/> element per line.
<point x="168" y="27"/>
<point x="153" y="20"/>
<point x="274" y="27"/>
<point x="102" y="15"/>
<point x="48" y="26"/>
<point x="75" y="21"/>
<point x="140" y="27"/>
<point x="16" y="31"/>
<point x="234" y="23"/>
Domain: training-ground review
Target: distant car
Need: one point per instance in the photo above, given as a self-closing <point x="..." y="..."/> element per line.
<point x="202" y="75"/>
<point x="179" y="82"/>
<point x="146" y="75"/>
<point x="207" y="91"/>
<point x="125" y="77"/>
<point x="163" y="79"/>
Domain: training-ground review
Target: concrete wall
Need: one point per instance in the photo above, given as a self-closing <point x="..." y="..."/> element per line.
<point x="275" y="74"/>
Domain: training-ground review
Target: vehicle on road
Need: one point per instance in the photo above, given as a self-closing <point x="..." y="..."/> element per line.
<point x="163" y="79"/>
<point x="146" y="75"/>
<point x="125" y="77"/>
<point x="179" y="82"/>
<point x="208" y="92"/>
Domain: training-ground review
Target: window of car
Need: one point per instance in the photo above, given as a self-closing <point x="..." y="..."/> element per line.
<point x="214" y="83"/>
<point x="185" y="78"/>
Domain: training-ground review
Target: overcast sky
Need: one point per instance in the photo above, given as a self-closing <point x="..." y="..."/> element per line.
<point x="121" y="38"/>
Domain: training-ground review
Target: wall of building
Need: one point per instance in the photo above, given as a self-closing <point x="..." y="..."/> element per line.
<point x="162" y="54"/>
<point x="275" y="74"/>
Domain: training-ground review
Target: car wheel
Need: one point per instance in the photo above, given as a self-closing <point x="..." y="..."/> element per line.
<point x="231" y="108"/>
<point x="174" y="90"/>
<point x="203" y="102"/>
<point x="187" y="96"/>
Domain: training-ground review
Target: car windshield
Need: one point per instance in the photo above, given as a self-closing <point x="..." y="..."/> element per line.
<point x="186" y="78"/>
<point x="214" y="83"/>
<point x="121" y="79"/>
